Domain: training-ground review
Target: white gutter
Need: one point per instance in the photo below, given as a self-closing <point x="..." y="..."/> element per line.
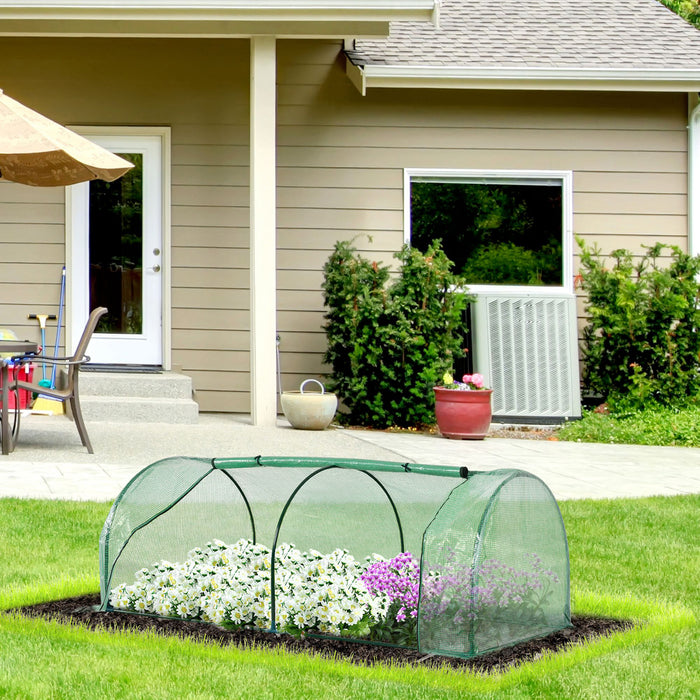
<point x="314" y="19"/>
<point x="499" y="78"/>
<point x="247" y="10"/>
<point x="694" y="181"/>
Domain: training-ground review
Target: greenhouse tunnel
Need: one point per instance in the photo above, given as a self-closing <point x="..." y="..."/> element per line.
<point x="491" y="546"/>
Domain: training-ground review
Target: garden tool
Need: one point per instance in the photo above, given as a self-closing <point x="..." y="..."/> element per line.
<point x="42" y="318"/>
<point x="58" y="325"/>
<point x="48" y="404"/>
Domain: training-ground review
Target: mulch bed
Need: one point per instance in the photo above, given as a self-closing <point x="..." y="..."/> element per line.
<point x="497" y="430"/>
<point x="80" y="610"/>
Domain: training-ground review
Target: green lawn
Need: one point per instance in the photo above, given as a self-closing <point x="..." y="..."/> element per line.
<point x="631" y="558"/>
<point x="676" y="427"/>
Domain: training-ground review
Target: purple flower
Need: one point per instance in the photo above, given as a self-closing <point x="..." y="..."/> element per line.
<point x="399" y="580"/>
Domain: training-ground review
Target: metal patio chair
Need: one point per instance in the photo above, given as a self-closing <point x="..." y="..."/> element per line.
<point x="70" y="391"/>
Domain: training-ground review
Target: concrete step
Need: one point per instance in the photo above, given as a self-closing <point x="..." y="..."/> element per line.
<point x="129" y="409"/>
<point x="164" y="397"/>
<point x="168" y="385"/>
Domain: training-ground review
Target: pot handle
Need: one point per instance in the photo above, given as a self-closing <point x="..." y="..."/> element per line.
<point x="305" y="382"/>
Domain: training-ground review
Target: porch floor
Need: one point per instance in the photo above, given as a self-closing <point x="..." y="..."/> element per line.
<point x="50" y="462"/>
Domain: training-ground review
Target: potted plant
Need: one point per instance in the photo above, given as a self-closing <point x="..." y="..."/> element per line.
<point x="463" y="409"/>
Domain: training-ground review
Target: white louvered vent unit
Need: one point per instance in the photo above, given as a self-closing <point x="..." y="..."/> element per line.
<point x="526" y="348"/>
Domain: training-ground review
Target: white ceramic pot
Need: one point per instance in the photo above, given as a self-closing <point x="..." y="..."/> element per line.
<point x="310" y="410"/>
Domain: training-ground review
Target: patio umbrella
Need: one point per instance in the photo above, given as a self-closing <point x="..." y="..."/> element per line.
<point x="37" y="151"/>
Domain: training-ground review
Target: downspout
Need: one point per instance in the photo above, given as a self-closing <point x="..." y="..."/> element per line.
<point x="358" y="74"/>
<point x="436" y="13"/>
<point x="694" y="180"/>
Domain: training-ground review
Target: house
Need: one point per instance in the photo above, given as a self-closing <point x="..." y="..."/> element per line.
<point x="335" y="110"/>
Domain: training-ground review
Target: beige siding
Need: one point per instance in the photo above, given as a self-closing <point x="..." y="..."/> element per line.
<point x="31" y="241"/>
<point x="342" y="160"/>
<point x="200" y="90"/>
<point x="340" y="175"/>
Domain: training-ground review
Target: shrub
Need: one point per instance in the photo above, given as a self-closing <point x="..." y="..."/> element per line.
<point x="388" y="344"/>
<point x="641" y="343"/>
<point x="689" y="10"/>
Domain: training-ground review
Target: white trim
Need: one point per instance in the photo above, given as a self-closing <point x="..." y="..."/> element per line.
<point x="515" y="78"/>
<point x="75" y="218"/>
<point x="694" y="181"/>
<point x="263" y="230"/>
<point x="191" y="29"/>
<point x="564" y="177"/>
<point x="312" y="19"/>
<point x="390" y="8"/>
<point x="304" y="11"/>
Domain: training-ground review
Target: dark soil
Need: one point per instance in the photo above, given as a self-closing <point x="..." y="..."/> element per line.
<point x="80" y="610"/>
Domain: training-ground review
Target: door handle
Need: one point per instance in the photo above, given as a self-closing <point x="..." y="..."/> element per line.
<point x="156" y="268"/>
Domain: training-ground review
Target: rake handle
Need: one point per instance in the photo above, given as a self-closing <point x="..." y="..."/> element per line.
<point x="42" y="318"/>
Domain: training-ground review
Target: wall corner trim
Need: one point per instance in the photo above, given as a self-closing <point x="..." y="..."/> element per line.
<point x="694" y="181"/>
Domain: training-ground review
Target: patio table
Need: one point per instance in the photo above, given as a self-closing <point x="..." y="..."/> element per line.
<point x="18" y="347"/>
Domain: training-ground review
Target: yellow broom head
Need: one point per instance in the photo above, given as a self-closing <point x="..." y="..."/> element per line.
<point x="47" y="406"/>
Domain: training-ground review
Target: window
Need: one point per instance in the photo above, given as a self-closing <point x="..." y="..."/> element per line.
<point x="116" y="254"/>
<point x="505" y="229"/>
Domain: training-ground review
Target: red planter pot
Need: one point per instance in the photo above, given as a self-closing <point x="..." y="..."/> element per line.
<point x="463" y="415"/>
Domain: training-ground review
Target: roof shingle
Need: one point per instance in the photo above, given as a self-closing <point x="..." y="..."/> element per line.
<point x="607" y="34"/>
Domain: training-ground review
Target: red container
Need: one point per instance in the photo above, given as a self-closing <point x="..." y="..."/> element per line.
<point x="463" y="415"/>
<point x="26" y="375"/>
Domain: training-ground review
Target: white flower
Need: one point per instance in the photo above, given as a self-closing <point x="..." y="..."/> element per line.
<point x="232" y="582"/>
<point x="216" y="614"/>
<point x="162" y="608"/>
<point x="186" y="610"/>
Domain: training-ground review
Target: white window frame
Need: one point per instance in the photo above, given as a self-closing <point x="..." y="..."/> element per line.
<point x="506" y="177"/>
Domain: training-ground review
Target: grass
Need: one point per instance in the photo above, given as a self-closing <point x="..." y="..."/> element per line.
<point x="632" y="558"/>
<point x="654" y="426"/>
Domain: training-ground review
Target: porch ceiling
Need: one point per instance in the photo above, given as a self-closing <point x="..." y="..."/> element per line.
<point x="211" y="18"/>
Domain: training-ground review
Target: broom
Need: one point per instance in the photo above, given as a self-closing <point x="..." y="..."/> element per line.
<point x="47" y="404"/>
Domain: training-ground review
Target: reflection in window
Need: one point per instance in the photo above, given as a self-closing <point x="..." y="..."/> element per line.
<point x="116" y="256"/>
<point x="496" y="233"/>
